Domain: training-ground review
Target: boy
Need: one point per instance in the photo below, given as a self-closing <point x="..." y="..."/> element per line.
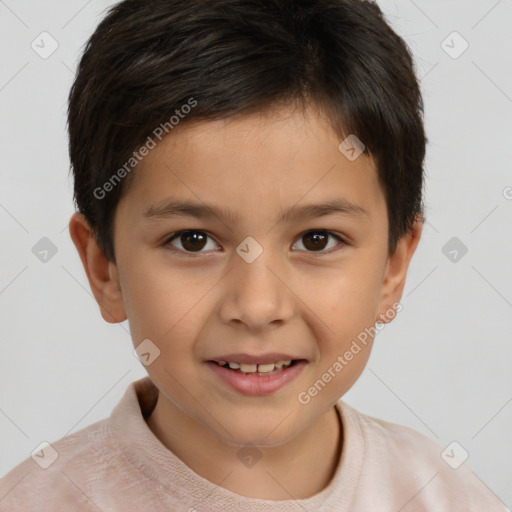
<point x="284" y="139"/>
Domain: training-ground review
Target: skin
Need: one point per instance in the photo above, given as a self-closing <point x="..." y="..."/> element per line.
<point x="293" y="299"/>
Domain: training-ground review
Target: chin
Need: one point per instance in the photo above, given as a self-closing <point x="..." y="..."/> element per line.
<point x="269" y="432"/>
<point x="257" y="439"/>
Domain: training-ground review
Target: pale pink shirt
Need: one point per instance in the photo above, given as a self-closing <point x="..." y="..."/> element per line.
<point x="119" y="465"/>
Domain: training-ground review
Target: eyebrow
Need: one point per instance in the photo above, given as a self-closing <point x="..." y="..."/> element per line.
<point x="173" y="208"/>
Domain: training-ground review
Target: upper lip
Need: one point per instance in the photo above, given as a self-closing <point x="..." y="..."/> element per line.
<point x="256" y="359"/>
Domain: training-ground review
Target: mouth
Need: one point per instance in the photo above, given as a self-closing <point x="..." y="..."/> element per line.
<point x="256" y="376"/>
<point x="260" y="369"/>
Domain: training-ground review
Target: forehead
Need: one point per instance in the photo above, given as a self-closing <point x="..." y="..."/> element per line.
<point x="254" y="163"/>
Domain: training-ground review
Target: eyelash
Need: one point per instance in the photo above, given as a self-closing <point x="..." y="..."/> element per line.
<point x="177" y="234"/>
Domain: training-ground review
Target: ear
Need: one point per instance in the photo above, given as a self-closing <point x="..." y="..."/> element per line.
<point x="396" y="272"/>
<point x="101" y="273"/>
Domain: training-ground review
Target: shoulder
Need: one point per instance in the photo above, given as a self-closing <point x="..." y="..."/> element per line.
<point x="59" y="473"/>
<point x="415" y="472"/>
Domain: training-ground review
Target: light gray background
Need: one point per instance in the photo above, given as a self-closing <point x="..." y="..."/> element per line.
<point x="442" y="367"/>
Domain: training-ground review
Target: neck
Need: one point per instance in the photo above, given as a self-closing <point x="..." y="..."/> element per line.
<point x="297" y="469"/>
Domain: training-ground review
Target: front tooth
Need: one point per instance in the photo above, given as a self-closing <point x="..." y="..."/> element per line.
<point x="248" y="368"/>
<point x="281" y="364"/>
<point x="234" y="366"/>
<point x="265" y="368"/>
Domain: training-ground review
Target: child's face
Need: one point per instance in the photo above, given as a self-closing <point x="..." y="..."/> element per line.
<point x="214" y="303"/>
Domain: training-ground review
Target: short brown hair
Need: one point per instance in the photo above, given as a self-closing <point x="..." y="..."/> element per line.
<point x="148" y="58"/>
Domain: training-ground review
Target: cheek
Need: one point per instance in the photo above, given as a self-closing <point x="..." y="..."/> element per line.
<point x="159" y="302"/>
<point x="345" y="349"/>
<point x="348" y="305"/>
<point x="348" y="302"/>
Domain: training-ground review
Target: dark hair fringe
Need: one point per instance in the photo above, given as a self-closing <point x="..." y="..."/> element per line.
<point x="149" y="57"/>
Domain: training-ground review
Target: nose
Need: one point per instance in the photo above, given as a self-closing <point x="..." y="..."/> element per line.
<point x="256" y="295"/>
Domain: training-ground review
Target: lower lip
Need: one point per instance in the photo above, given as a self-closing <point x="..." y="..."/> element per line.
<point x="256" y="385"/>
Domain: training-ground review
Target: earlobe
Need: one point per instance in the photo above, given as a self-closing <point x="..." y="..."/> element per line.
<point x="396" y="272"/>
<point x="101" y="273"/>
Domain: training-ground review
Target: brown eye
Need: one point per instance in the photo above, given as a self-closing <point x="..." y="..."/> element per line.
<point x="317" y="241"/>
<point x="191" y="241"/>
<point x="194" y="241"/>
